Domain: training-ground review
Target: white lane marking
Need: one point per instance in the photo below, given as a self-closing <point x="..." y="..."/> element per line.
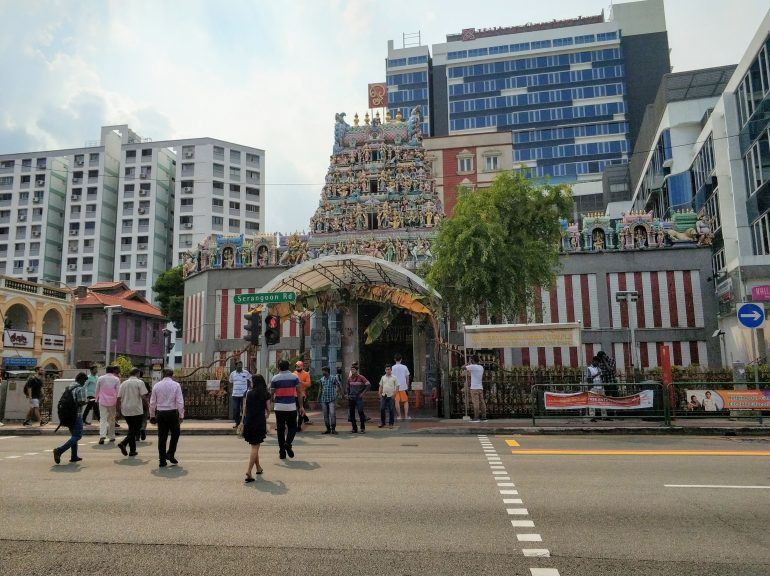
<point x="717" y="486"/>
<point x="522" y="523"/>
<point x="517" y="511"/>
<point x="493" y="457"/>
<point x="499" y="472"/>
<point x="48" y="450"/>
<point x="93" y="441"/>
<point x="512" y="501"/>
<point x="496" y="466"/>
<point x="544" y="572"/>
<point x="509" y="492"/>
<point x="32" y="453"/>
<point x="502" y="477"/>
<point x="12" y="457"/>
<point x="536" y="552"/>
<point x="529" y="538"/>
<point x="7" y="437"/>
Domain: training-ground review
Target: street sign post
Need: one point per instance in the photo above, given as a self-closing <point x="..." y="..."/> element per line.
<point x="752" y="316"/>
<point x="265" y="298"/>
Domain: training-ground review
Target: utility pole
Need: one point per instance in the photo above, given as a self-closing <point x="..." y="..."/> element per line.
<point x="109" y="310"/>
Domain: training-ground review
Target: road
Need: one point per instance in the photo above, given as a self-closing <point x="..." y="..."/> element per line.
<point x="393" y="503"/>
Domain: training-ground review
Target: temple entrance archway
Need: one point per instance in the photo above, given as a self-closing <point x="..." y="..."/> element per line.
<point x="365" y="309"/>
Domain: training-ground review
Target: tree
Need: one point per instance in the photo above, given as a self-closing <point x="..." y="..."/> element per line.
<point x="124" y="365"/>
<point x="169" y="288"/>
<point x="499" y="246"/>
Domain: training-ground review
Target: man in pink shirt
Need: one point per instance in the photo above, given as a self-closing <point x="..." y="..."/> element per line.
<point x="107" y="387"/>
<point x="167" y="411"/>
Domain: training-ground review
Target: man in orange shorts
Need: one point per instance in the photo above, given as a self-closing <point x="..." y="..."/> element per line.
<point x="402" y="375"/>
<point x="304" y="381"/>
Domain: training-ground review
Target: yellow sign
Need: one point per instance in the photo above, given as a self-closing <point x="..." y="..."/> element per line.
<point x="522" y="335"/>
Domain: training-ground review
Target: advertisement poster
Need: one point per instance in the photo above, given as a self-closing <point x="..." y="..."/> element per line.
<point x="716" y="400"/>
<point x="583" y="400"/>
<point x="53" y="341"/>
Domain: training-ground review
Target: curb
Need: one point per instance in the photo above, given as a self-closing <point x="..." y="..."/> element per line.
<point x="457" y="431"/>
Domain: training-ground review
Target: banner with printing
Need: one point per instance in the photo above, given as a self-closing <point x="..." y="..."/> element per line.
<point x="583" y="400"/>
<point x="716" y="400"/>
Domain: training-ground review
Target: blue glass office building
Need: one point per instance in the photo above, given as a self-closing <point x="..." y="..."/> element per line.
<point x="571" y="92"/>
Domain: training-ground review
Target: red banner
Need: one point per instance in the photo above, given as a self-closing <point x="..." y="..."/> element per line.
<point x="378" y="95"/>
<point x="582" y="400"/>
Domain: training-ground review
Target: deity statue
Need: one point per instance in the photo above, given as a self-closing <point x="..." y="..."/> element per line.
<point x="228" y="259"/>
<point x="340" y="128"/>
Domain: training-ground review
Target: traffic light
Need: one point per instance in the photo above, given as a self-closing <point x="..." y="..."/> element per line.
<point x="253" y="327"/>
<point x="272" y="330"/>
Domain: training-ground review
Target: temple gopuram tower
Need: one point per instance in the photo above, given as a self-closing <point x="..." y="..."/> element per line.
<point x="379" y="198"/>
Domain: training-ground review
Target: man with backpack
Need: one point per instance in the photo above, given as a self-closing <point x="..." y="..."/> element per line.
<point x="69" y="410"/>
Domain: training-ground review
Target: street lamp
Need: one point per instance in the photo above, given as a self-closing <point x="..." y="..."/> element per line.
<point x="110" y="310"/>
<point x="630" y="296"/>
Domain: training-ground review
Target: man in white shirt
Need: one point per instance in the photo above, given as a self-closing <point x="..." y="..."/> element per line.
<point x="476" y="372"/>
<point x="131" y="406"/>
<point x="401" y="374"/>
<point x="388" y="387"/>
<point x="107" y="387"/>
<point x="240" y="380"/>
<point x="167" y="411"/>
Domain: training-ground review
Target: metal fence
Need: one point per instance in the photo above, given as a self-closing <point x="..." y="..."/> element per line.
<point x="692" y="405"/>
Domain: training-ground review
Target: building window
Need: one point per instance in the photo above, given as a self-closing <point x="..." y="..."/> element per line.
<point x="137" y="330"/>
<point x="464" y="164"/>
<point x="233" y="223"/>
<point x="491" y="163"/>
<point x="718" y="261"/>
<point x="217" y="221"/>
<point x="218" y="202"/>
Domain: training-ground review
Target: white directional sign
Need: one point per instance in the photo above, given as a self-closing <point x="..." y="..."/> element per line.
<point x="751" y="315"/>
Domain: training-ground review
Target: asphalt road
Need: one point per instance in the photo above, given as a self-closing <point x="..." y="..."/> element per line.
<point x="392" y="504"/>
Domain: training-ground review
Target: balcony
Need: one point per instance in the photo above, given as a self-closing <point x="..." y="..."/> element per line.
<point x="144" y="227"/>
<point x="26" y="167"/>
<point x="18" y="270"/>
<point x="88" y="248"/>
<point x="34" y="251"/>
<point x="127" y="228"/>
<point x="131" y="175"/>
<point x="235" y="211"/>
<point x="93" y="161"/>
<point x="217" y="209"/>
<point x="37" y="216"/>
<point x="5" y="169"/>
<point x="186" y="208"/>
<point x="128" y="211"/>
<point x="5" y="219"/>
<point x="87" y="267"/>
<point x="141" y="263"/>
<point x="76" y="181"/>
<point x="188" y="170"/>
<point x="8" y="186"/>
<point x="125" y="266"/>
<point x="93" y="179"/>
<point x="5" y="202"/>
<point x="24" y="184"/>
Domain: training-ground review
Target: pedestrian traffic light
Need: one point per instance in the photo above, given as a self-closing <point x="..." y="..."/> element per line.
<point x="253" y="327"/>
<point x="272" y="330"/>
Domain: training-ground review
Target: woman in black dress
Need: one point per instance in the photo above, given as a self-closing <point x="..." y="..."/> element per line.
<point x="256" y="407"/>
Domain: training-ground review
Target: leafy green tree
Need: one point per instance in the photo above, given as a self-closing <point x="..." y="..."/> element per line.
<point x="124" y="365"/>
<point x="169" y="288"/>
<point x="499" y="246"/>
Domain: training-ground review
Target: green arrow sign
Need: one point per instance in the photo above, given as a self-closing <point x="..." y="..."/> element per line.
<point x="265" y="298"/>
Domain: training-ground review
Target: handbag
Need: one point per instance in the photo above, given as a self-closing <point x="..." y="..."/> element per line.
<point x="239" y="430"/>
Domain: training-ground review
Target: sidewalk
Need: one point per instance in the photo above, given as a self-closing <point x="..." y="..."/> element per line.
<point x="694" y="427"/>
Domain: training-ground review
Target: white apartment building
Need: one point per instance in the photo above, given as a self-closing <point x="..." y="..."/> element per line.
<point x="124" y="208"/>
<point x="219" y="189"/>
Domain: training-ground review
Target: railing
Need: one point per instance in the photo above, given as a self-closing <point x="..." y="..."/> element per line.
<point x="735" y="400"/>
<point x="205" y="404"/>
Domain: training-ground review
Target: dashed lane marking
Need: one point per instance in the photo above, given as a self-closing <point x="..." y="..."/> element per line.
<point x="12" y="457"/>
<point x="536" y="552"/>
<point x="512" y="501"/>
<point x="716" y="486"/>
<point x="32" y="453"/>
<point x="529" y="537"/>
<point x="7" y="437"/>
<point x="543" y="572"/>
<point x="517" y="511"/>
<point x="522" y="523"/>
<point x="509" y="491"/>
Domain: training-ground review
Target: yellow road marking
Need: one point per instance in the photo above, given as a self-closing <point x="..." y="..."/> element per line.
<point x="539" y="452"/>
<point x="512" y="443"/>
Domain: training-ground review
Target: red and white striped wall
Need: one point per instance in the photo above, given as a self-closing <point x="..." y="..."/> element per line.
<point x="192" y="360"/>
<point x="193" y="318"/>
<point x="669" y="299"/>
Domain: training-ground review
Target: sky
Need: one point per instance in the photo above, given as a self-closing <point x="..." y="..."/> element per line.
<point x="267" y="74"/>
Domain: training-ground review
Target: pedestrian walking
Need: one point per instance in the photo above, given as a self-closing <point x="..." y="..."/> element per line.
<point x="107" y="387"/>
<point x="357" y="387"/>
<point x="402" y="375"/>
<point x="387" y="392"/>
<point x="304" y="381"/>
<point x="91" y="406"/>
<point x="167" y="411"/>
<point x="240" y="380"/>
<point x="327" y="398"/>
<point x="256" y="409"/>
<point x="476" y="372"/>
<point x="131" y="406"/>
<point x="70" y="415"/>
<point x="594" y="376"/>
<point x="33" y="390"/>
<point x="286" y="390"/>
<point x="145" y="408"/>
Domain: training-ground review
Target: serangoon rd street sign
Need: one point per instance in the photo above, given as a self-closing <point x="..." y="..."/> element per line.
<point x="264" y="298"/>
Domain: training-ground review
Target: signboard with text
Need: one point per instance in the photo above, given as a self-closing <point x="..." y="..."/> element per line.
<point x="760" y="293"/>
<point x="18" y="339"/>
<point x="265" y="298"/>
<point x="19" y="362"/>
<point x="53" y="341"/>
<point x="716" y="400"/>
<point x="581" y="400"/>
<point x="522" y="335"/>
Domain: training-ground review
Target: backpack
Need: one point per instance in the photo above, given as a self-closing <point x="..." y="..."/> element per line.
<point x="67" y="409"/>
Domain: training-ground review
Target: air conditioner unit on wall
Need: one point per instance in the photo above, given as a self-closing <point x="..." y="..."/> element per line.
<point x="36" y="233"/>
<point x="141" y="210"/>
<point x="72" y="267"/>
<point x="36" y="200"/>
<point x="143" y="192"/>
<point x="187" y="189"/>
<point x="73" y="232"/>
